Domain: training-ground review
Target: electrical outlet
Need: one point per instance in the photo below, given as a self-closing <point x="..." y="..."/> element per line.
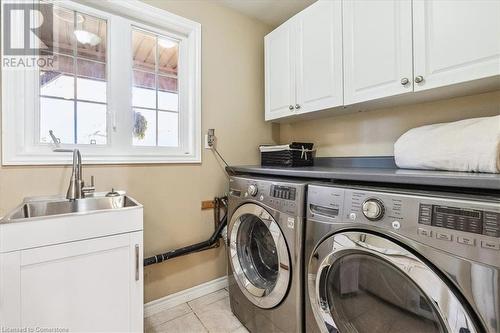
<point x="210" y="139"/>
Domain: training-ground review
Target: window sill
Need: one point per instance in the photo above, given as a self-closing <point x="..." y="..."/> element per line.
<point x="66" y="159"/>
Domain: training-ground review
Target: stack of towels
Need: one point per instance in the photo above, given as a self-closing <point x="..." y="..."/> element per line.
<point x="466" y="145"/>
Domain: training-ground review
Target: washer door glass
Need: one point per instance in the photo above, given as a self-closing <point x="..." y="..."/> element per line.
<point x="367" y="294"/>
<point x="257" y="252"/>
<point x="367" y="283"/>
<point x="259" y="255"/>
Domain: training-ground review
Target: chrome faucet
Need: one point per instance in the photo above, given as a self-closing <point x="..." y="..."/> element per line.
<point x="77" y="188"/>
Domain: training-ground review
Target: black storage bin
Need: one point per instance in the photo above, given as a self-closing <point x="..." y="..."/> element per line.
<point x="297" y="154"/>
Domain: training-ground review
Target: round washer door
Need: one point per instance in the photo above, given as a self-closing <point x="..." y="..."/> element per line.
<point x="259" y="256"/>
<point x="362" y="282"/>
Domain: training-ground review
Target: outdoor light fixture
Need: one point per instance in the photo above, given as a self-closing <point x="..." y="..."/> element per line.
<point x="86" y="37"/>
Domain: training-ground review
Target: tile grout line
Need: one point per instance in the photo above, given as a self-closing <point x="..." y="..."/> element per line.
<point x="174" y="318"/>
<point x="201" y="322"/>
<point x="168" y="321"/>
<point x="205" y="296"/>
<point x="193" y="311"/>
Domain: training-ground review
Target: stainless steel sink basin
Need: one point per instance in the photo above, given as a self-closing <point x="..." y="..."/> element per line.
<point x="50" y="207"/>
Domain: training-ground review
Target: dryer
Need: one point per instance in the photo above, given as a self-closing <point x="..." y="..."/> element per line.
<point x="384" y="260"/>
<point x="265" y="236"/>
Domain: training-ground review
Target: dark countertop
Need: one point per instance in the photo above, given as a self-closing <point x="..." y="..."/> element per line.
<point x="378" y="172"/>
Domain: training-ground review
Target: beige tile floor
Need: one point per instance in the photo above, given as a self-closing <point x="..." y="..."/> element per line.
<point x="210" y="313"/>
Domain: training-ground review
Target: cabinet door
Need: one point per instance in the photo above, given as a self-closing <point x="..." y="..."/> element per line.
<point x="319" y="57"/>
<point x="94" y="285"/>
<point x="455" y="41"/>
<point x="279" y="77"/>
<point x="377" y="49"/>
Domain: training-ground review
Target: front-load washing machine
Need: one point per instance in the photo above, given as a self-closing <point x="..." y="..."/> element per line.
<point x="265" y="236"/>
<point x="383" y="260"/>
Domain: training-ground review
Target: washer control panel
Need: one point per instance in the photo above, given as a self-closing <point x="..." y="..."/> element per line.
<point x="468" y="226"/>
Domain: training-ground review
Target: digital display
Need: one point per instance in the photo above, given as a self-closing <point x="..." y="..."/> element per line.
<point x="283" y="192"/>
<point x="475" y="221"/>
<point x="457" y="211"/>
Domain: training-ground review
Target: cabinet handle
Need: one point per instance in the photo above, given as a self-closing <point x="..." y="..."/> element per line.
<point x="297" y="106"/>
<point x="137" y="262"/>
<point x="290" y="107"/>
<point x="405" y="81"/>
<point x="419" y="79"/>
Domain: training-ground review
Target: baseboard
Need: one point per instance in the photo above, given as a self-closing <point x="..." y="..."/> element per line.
<point x="184" y="296"/>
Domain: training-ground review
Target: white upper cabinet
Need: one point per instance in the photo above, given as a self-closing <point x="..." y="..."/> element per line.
<point x="303" y="62"/>
<point x="280" y="75"/>
<point x="455" y="41"/>
<point x="319" y="57"/>
<point x="377" y="49"/>
<point x="350" y="53"/>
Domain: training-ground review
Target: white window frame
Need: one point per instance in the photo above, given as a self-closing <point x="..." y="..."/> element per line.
<point x="20" y="93"/>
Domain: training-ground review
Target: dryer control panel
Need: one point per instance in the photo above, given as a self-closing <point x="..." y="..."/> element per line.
<point x="283" y="196"/>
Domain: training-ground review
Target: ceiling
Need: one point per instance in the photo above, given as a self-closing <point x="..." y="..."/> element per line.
<point x="271" y="12"/>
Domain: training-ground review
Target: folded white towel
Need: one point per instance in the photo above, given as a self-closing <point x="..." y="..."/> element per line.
<point x="466" y="145"/>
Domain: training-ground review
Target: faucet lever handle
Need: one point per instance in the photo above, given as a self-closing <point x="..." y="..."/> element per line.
<point x="88" y="189"/>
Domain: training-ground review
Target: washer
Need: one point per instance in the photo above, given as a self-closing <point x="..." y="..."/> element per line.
<point x="265" y="235"/>
<point x="383" y="260"/>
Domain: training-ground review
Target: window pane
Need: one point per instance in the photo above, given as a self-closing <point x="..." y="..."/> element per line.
<point x="59" y="80"/>
<point x="91" y="82"/>
<point x="168" y="53"/>
<point x="144" y="132"/>
<point x="91" y="123"/>
<point x="61" y="38"/>
<point x="57" y="85"/>
<point x="57" y="115"/>
<point x="168" y="98"/>
<point x="61" y="64"/>
<point x="168" y="129"/>
<point x="90" y="33"/>
<point x="144" y="50"/>
<point x="143" y="91"/>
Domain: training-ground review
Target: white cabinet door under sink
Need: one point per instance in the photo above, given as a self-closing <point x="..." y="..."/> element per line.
<point x="91" y="285"/>
<point x="455" y="41"/>
<point x="377" y="49"/>
<point x="319" y="57"/>
<point x="280" y="77"/>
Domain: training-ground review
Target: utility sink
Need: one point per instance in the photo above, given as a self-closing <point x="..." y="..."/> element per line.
<point x="49" y="207"/>
<point x="42" y="221"/>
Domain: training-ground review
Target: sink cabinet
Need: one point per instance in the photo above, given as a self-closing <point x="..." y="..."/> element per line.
<point x="82" y="272"/>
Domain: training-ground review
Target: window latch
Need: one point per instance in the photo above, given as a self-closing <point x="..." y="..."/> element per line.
<point x="57" y="144"/>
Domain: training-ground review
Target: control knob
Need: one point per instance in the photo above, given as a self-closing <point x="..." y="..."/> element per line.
<point x="252" y="190"/>
<point x="373" y="209"/>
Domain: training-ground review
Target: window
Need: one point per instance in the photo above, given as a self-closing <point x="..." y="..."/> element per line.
<point x="121" y="88"/>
